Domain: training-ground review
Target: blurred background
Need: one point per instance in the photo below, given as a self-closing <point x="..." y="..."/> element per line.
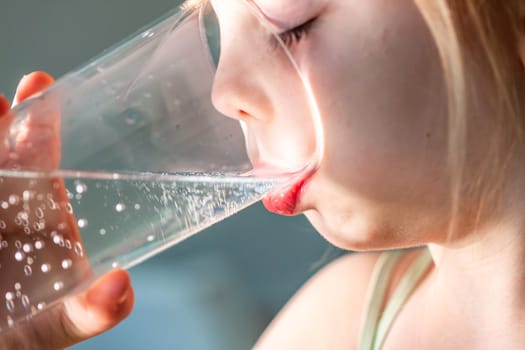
<point x="216" y="290"/>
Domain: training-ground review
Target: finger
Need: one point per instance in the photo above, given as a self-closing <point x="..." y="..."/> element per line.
<point x="80" y="317"/>
<point x="38" y="139"/>
<point x="31" y="84"/>
<point x="103" y="306"/>
<point x="4" y="105"/>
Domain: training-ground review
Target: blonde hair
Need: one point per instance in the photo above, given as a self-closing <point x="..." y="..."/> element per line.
<point x="483" y="35"/>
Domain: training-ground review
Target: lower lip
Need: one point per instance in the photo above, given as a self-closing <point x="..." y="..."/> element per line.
<point x="283" y="200"/>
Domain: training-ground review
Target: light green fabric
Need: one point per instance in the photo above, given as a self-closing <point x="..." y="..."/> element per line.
<point x="377" y="324"/>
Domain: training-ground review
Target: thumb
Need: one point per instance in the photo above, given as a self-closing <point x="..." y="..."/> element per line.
<point x="79" y="318"/>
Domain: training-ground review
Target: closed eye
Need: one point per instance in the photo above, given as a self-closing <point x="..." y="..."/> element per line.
<point x="293" y="36"/>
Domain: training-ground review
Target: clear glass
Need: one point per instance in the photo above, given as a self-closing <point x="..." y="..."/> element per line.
<point x="128" y="155"/>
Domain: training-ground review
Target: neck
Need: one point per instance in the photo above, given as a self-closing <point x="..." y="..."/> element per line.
<point x="484" y="279"/>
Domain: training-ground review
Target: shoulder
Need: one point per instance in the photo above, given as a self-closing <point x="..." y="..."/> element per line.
<point x="328" y="308"/>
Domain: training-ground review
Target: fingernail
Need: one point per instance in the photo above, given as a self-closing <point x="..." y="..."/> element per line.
<point x="114" y="290"/>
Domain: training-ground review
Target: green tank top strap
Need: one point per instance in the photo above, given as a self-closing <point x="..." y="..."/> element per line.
<point x="377" y="323"/>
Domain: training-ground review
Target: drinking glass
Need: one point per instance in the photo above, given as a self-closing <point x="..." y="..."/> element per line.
<point x="128" y="155"/>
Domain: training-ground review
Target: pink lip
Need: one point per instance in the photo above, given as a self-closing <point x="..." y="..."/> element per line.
<point x="284" y="199"/>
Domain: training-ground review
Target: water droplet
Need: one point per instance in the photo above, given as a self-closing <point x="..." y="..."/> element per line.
<point x="2" y="224"/>
<point x="18" y="286"/>
<point x="137" y="206"/>
<point x="18" y="244"/>
<point x="39" y="213"/>
<point x="80" y="187"/>
<point x="27" y="248"/>
<point x="4" y="205"/>
<point x="9" y="296"/>
<point x="82" y="223"/>
<point x="45" y="268"/>
<point x="66" y="264"/>
<point x="25" y="301"/>
<point x="39" y="244"/>
<point x="10" y="305"/>
<point x="28" y="270"/>
<point x="58" y="285"/>
<point x="102" y="231"/>
<point x="19" y="256"/>
<point x="151" y="238"/>
<point x="120" y="207"/>
<point x="41" y="306"/>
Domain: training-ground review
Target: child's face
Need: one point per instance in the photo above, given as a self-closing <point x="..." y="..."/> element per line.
<point x="376" y="74"/>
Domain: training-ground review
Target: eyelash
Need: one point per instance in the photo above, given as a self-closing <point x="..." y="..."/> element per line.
<point x="294" y="35"/>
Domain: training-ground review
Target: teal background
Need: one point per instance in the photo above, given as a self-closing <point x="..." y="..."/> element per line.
<point x="217" y="290"/>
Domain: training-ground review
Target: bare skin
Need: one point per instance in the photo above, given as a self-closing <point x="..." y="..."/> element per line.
<point x="80" y="317"/>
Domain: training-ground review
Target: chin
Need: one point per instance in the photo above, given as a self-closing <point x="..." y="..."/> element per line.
<point x="351" y="233"/>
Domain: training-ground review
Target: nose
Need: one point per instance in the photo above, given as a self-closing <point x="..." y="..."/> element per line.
<point x="240" y="87"/>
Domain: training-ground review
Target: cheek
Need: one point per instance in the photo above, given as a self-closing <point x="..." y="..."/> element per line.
<point x="383" y="102"/>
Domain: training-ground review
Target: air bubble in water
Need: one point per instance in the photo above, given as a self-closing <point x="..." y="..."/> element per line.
<point x="29" y="260"/>
<point x="9" y="296"/>
<point x="82" y="223"/>
<point x="41" y="306"/>
<point x="114" y="264"/>
<point x="58" y="285"/>
<point x="39" y="244"/>
<point x="151" y="238"/>
<point x="78" y="249"/>
<point x="19" y="256"/>
<point x="10" y="305"/>
<point x="56" y="239"/>
<point x="25" y="301"/>
<point x="26" y="195"/>
<point x="67" y="243"/>
<point x="13" y="199"/>
<point x="39" y="213"/>
<point x="27" y="230"/>
<point x="45" y="268"/>
<point x="27" y="248"/>
<point x="10" y="321"/>
<point x="28" y="270"/>
<point x="80" y="187"/>
<point x="120" y="207"/>
<point x="68" y="207"/>
<point x="18" y="244"/>
<point x="2" y="224"/>
<point x="5" y="244"/>
<point x="102" y="231"/>
<point x="66" y="264"/>
<point x="18" y="286"/>
<point x="4" y="205"/>
<point x="137" y="206"/>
